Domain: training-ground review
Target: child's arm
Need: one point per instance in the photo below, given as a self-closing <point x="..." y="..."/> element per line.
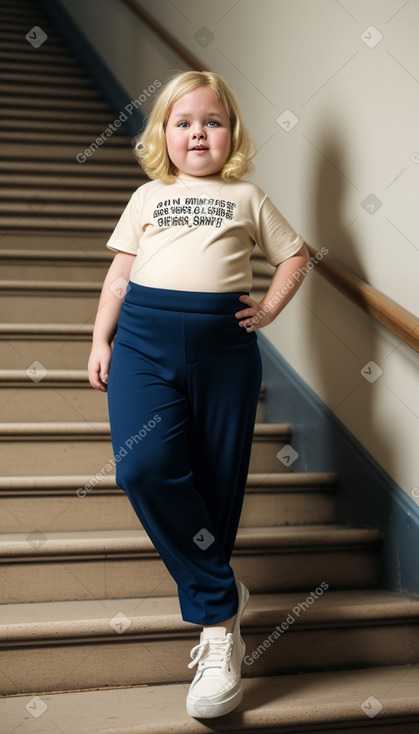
<point x="285" y="282"/>
<point x="110" y="303"/>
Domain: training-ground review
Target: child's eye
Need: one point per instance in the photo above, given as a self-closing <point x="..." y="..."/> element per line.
<point x="183" y="124"/>
<point x="213" y="123"/>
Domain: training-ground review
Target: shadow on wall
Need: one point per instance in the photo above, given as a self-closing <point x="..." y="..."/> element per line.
<point x="338" y="353"/>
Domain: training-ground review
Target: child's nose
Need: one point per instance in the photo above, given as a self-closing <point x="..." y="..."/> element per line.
<point x="198" y="132"/>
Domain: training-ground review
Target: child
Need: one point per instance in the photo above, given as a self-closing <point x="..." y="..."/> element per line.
<point x="185" y="376"/>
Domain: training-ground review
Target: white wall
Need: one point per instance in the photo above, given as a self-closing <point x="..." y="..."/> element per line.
<point x="357" y="133"/>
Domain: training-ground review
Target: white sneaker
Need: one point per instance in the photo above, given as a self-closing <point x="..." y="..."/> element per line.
<point x="216" y="688"/>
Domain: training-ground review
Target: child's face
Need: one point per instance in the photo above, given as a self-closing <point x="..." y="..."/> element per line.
<point x="198" y="135"/>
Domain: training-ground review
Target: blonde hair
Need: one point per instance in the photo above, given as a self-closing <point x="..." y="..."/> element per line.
<point x="150" y="147"/>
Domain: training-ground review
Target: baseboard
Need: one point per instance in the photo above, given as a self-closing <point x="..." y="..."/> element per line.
<point x="366" y="494"/>
<point x="111" y="90"/>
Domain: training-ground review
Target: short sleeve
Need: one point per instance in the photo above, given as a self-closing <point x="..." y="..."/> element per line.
<point x="127" y="233"/>
<point x="276" y="238"/>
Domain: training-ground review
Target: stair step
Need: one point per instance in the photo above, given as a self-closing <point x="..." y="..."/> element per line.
<point x="338" y="702"/>
<point x="313" y="629"/>
<point x="92" y="129"/>
<point x="97" y="184"/>
<point x="80" y="257"/>
<point x="12" y="76"/>
<point x="50" y="51"/>
<point x="63" y="136"/>
<point x="116" y="564"/>
<point x="13" y="37"/>
<point x="12" y="56"/>
<point x="45" y="102"/>
<point x="46" y="447"/>
<point x="81" y="203"/>
<point x="72" y="266"/>
<point x="41" y="203"/>
<point x="75" y="224"/>
<point x="54" y="502"/>
<point x="61" y="395"/>
<point x="55" y="399"/>
<point x="19" y="24"/>
<point x="70" y="68"/>
<point x="49" y="448"/>
<point x="57" y="345"/>
<point x="78" y="266"/>
<point x="39" y="300"/>
<point x="70" y="168"/>
<point x="71" y="116"/>
<point x="67" y="154"/>
<point x="13" y="9"/>
<point x="102" y="254"/>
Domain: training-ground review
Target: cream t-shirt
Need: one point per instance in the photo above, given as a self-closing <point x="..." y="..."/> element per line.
<point x="198" y="234"/>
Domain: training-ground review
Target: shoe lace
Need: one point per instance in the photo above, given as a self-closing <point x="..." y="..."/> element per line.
<point x="214" y="653"/>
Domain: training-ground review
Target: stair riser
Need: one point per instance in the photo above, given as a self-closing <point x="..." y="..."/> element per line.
<point x="124" y="661"/>
<point x="14" y="101"/>
<point x="52" y="404"/>
<point x="60" y="194"/>
<point x="16" y="240"/>
<point x="35" y="307"/>
<point x="78" y="307"/>
<point x="34" y="402"/>
<point x="72" y="169"/>
<point x="120" y="189"/>
<point x="113" y="511"/>
<point x="39" y="457"/>
<point x="101" y="152"/>
<point x="112" y="578"/>
<point x="69" y="272"/>
<point x="14" y="77"/>
<point x="77" y="226"/>
<point x="9" y="57"/>
<point x="53" y="353"/>
<point x="69" y="137"/>
<point x="42" y="205"/>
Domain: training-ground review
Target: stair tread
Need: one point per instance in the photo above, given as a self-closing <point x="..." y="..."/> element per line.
<point x="100" y="428"/>
<point x="48" y="285"/>
<point x="104" y="255"/>
<point x="297" y="479"/>
<point x="77" y="376"/>
<point x="40" y="330"/>
<point x="101" y="542"/>
<point x="45" y="181"/>
<point x="321" y="699"/>
<point x="48" y="620"/>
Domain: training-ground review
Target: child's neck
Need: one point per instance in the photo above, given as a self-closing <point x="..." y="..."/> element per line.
<point x="187" y="177"/>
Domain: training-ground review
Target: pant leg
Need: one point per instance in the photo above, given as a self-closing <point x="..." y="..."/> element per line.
<point x="148" y="399"/>
<point x="224" y="382"/>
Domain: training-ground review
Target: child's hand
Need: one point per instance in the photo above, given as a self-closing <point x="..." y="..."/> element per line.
<point x="98" y="365"/>
<point x="254" y="317"/>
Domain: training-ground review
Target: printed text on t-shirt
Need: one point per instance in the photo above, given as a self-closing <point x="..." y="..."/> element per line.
<point x="193" y="212"/>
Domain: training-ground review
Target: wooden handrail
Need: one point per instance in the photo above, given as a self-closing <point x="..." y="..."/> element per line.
<point x="383" y="309"/>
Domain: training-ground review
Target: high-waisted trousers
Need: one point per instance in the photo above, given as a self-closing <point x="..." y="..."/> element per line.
<point x="183" y="390"/>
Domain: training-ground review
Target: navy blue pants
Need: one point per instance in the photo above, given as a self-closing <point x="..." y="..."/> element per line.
<point x="182" y="392"/>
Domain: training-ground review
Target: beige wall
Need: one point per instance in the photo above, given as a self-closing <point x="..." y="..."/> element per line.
<point x="357" y="106"/>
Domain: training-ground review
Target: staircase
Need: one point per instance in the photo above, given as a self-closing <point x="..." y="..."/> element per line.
<point x="91" y="638"/>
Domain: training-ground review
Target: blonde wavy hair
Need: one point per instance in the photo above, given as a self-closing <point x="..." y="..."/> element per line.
<point x="150" y="147"/>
